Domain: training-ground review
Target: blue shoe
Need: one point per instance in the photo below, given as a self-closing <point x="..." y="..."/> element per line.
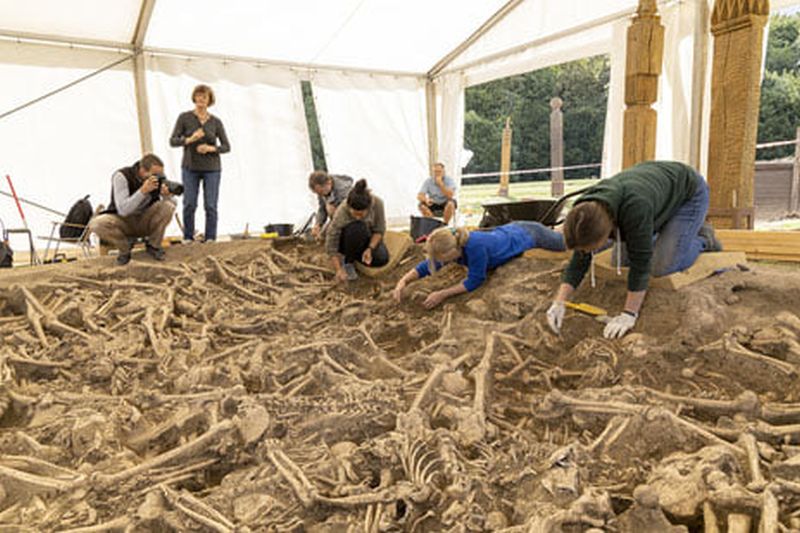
<point x="350" y="270"/>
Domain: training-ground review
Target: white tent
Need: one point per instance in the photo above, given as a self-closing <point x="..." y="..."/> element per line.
<point x="388" y="77"/>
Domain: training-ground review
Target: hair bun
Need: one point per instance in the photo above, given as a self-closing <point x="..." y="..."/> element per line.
<point x="361" y="185"/>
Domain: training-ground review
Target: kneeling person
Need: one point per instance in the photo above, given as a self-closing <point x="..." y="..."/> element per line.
<point x="137" y="209"/>
<point x="437" y="195"/>
<point x="356" y="233"/>
<point x="479" y="251"/>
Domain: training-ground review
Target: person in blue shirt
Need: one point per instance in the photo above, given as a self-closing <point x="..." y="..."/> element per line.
<point x="437" y="195"/>
<point x="479" y="251"/>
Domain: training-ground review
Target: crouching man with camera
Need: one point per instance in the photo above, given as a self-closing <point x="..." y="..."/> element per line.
<point x="141" y="206"/>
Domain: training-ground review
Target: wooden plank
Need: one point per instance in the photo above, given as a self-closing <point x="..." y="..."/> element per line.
<point x="774" y="245"/>
<point x="705" y="265"/>
<point x="538" y="253"/>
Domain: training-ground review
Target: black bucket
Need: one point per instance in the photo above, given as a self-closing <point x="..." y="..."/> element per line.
<point x="283" y="230"/>
<point x="422" y="226"/>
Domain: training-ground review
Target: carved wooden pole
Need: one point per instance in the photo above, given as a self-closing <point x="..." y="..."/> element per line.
<point x="505" y="159"/>
<point x="643" y="66"/>
<point x="738" y="29"/>
<point x="556" y="148"/>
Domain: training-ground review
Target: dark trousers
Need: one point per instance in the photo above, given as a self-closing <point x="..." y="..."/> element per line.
<point x="191" y="189"/>
<point x="355" y="239"/>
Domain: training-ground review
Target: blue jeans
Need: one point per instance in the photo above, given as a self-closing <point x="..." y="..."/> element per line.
<point x="678" y="244"/>
<point x="543" y="237"/>
<point x="191" y="186"/>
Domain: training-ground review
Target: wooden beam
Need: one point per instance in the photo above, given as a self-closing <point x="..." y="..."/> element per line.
<point x="505" y="159"/>
<point x="705" y="265"/>
<point x="499" y="15"/>
<point x="738" y="29"/>
<point x="770" y="245"/>
<point x="643" y="65"/>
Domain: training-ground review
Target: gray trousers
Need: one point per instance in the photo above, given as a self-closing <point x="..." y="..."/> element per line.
<point x="119" y="230"/>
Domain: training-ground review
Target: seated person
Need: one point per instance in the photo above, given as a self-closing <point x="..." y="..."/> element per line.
<point x="331" y="190"/>
<point x="478" y="251"/>
<point x="437" y="195"/>
<point x="654" y="213"/>
<point x="137" y="209"/>
<point x="356" y="233"/>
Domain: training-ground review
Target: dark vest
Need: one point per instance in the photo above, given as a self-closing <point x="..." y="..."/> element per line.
<point x="131" y="174"/>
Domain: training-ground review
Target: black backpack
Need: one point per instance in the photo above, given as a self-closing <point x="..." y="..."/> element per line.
<point x="78" y="217"/>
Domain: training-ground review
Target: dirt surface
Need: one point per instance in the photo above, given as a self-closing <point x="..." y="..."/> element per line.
<point x="236" y="388"/>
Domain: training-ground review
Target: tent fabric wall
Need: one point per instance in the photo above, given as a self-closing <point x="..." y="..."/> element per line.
<point x="612" y="140"/>
<point x="450" y="107"/>
<point x="264" y="175"/>
<point x="374" y="127"/>
<point x="66" y="146"/>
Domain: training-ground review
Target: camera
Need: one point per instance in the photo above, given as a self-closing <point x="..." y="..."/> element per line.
<point x="173" y="187"/>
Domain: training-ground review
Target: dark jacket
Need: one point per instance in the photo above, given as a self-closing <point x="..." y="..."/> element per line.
<point x="641" y="199"/>
<point x="186" y="124"/>
<point x="131" y="174"/>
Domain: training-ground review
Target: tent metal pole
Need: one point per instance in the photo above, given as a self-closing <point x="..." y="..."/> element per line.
<point x="188" y="54"/>
<point x="433" y="134"/>
<point x="140" y="77"/>
<point x="43" y="38"/>
<point x="492" y="21"/>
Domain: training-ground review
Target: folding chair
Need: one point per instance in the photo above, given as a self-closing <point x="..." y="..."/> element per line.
<point x="83" y="242"/>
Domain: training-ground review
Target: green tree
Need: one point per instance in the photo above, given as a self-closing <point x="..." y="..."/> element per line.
<point x="779" y="115"/>
<point x="582" y="84"/>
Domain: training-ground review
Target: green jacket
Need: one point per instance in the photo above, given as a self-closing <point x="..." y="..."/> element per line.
<point x="641" y="199"/>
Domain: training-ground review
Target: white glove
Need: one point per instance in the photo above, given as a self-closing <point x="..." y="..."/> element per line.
<point x="555" y="316"/>
<point x="619" y="326"/>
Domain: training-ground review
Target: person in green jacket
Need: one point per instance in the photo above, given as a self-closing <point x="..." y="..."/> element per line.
<point x="654" y="212"/>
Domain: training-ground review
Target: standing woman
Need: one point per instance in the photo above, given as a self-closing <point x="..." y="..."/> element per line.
<point x="198" y="131"/>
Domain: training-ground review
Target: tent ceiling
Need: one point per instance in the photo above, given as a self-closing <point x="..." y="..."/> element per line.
<point x="82" y="20"/>
<point x="381" y="35"/>
<point x="408" y="35"/>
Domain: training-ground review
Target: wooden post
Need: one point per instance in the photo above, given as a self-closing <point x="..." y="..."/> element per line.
<point x="556" y="148"/>
<point x="794" y="196"/>
<point x="645" y="50"/>
<point x="738" y="29"/>
<point x="505" y="159"/>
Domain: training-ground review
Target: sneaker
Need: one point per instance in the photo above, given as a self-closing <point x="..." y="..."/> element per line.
<point x="187" y="241"/>
<point x="350" y="270"/>
<point x="124" y="258"/>
<point x="154" y="252"/>
<point x="710" y="241"/>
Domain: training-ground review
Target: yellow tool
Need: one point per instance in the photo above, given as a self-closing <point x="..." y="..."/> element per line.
<point x="586" y="308"/>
